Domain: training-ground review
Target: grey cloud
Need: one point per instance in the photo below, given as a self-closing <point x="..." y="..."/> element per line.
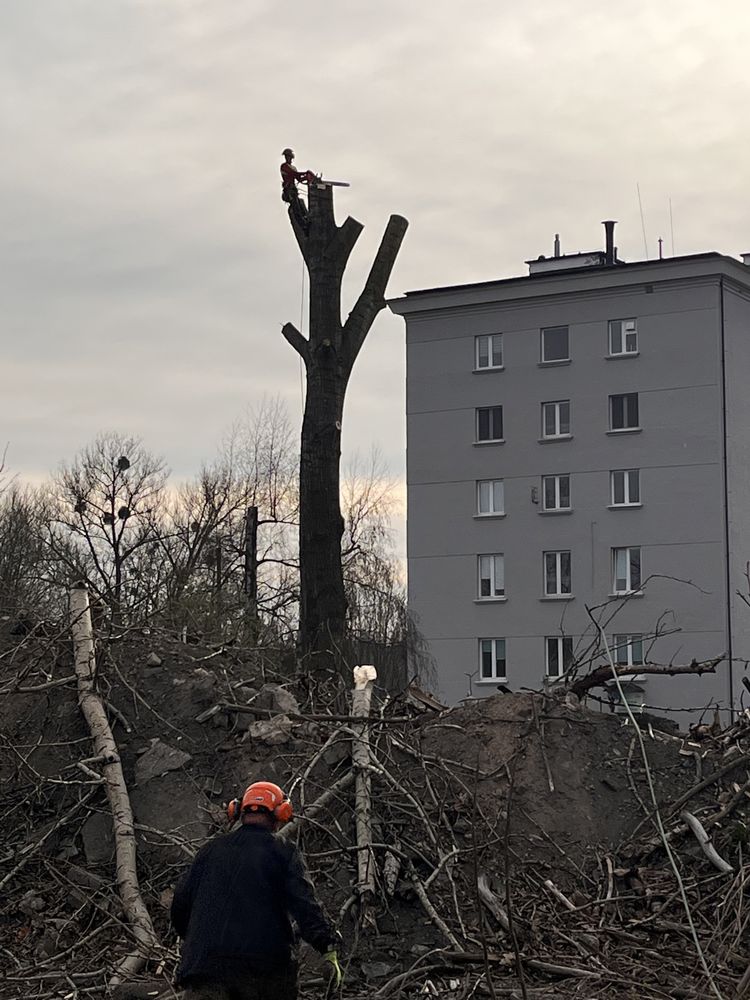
<point x="146" y="263"/>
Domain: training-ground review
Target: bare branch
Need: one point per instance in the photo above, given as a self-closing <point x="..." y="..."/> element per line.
<point x="372" y="298"/>
<point x="301" y="344"/>
<point x="603" y="674"/>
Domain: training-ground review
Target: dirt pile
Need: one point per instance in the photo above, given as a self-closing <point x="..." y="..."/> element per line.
<point x="514" y="838"/>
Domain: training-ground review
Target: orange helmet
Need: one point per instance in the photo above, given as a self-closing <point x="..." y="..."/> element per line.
<point x="262" y="796"/>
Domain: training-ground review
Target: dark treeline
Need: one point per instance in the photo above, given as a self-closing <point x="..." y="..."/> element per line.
<point x="176" y="555"/>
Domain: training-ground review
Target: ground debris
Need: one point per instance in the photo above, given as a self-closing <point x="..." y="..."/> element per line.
<point x="160" y="758"/>
<point x="511" y="837"/>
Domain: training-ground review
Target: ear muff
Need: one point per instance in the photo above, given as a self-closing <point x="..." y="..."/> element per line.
<point x="284" y="811"/>
<point x="233" y="810"/>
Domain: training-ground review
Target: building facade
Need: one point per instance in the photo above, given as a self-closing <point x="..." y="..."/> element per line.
<point x="578" y="457"/>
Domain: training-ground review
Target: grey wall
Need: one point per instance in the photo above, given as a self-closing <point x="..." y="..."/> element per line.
<point x="737" y="354"/>
<point x="679" y="451"/>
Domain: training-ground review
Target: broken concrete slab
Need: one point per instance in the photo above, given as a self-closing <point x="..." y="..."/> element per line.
<point x="159" y="759"/>
<point x="275" y="698"/>
<point x="271" y="731"/>
<point x="98" y="839"/>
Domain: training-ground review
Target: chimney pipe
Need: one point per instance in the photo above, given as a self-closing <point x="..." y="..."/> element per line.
<point x="609" y="230"/>
<point x="557" y="244"/>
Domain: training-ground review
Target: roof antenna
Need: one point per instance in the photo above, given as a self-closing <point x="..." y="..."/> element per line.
<point x="661" y="248"/>
<point x="643" y="221"/>
<point x="671" y="224"/>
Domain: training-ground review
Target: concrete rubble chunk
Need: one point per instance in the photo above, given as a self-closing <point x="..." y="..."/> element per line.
<point x="98" y="839"/>
<point x="86" y="879"/>
<point x="31" y="903"/>
<point x="377" y="970"/>
<point x="271" y="731"/>
<point x="158" y="759"/>
<point x="277" y="699"/>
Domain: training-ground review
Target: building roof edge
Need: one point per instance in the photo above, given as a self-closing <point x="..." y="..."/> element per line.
<point x="549" y="282"/>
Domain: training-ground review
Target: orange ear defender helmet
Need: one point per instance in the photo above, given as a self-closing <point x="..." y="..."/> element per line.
<point x="262" y="796"/>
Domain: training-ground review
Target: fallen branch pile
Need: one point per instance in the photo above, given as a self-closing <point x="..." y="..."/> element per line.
<point x="503" y="849"/>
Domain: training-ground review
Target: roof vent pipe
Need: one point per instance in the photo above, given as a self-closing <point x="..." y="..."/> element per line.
<point x="557" y="244"/>
<point x="609" y="230"/>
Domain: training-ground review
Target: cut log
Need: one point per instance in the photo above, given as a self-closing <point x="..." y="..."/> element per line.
<point x="364" y="678"/>
<point x="704" y="840"/>
<point x="94" y="712"/>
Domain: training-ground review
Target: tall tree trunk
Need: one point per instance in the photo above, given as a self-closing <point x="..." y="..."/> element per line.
<point x="250" y="582"/>
<point x="329" y="355"/>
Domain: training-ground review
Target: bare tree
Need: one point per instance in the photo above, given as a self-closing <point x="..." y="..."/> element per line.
<point x="329" y="354"/>
<point x="24" y="581"/>
<point x="205" y="541"/>
<point x="105" y="509"/>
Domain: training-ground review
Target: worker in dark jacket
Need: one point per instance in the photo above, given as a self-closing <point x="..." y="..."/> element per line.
<point x="232" y="908"/>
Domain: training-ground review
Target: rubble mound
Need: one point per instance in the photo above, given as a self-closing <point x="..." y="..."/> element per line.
<point x="515" y="843"/>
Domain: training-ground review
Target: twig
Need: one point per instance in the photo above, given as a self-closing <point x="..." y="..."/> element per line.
<point x="508" y="901"/>
<point x="32" y="850"/>
<point x="480" y="911"/>
<point x="705" y="842"/>
<point x="430" y="910"/>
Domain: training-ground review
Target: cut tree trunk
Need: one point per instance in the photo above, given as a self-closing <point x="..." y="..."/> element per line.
<point x="105" y="748"/>
<point x="364" y="678"/>
<point x="329" y="353"/>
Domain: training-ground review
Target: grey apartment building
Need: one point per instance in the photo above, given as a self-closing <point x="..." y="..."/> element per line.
<point x="578" y="438"/>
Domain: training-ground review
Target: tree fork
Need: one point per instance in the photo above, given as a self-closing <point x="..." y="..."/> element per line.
<point x="329" y="354"/>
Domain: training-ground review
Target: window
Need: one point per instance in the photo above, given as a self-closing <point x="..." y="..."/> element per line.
<point x="492" y="576"/>
<point x="555" y="344"/>
<point x="490" y="496"/>
<point x="489" y="423"/>
<point x="626" y="570"/>
<point x="628" y="650"/>
<point x="492" y="659"/>
<point x="623" y="337"/>
<point x="556" y="574"/>
<point x="625" y="487"/>
<point x="556" y="419"/>
<point x="488" y="351"/>
<point x="559" y="654"/>
<point x="556" y="492"/>
<point x="623" y="411"/>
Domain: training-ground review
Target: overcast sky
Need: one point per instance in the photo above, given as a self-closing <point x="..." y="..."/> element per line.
<point x="146" y="260"/>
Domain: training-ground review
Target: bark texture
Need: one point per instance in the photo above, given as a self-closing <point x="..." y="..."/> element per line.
<point x="329" y="354"/>
<point x="105" y="748"/>
<point x="364" y="679"/>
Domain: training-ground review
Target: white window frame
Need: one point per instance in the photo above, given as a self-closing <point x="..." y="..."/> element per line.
<point x="556" y="560"/>
<point x="496" y="496"/>
<point x="557" y="403"/>
<point x="626" y="407"/>
<point x="561" y="641"/>
<point x="481" y="409"/>
<point x="495" y="676"/>
<point x="492" y="340"/>
<point x="556" y="479"/>
<point x="622" y="642"/>
<point x="621" y="562"/>
<point x="490" y="567"/>
<point x="626" y="330"/>
<point x="627" y="483"/>
<point x="554" y="361"/>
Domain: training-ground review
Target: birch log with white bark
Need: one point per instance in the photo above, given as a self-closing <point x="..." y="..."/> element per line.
<point x="364" y="678"/>
<point x="105" y="748"/>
